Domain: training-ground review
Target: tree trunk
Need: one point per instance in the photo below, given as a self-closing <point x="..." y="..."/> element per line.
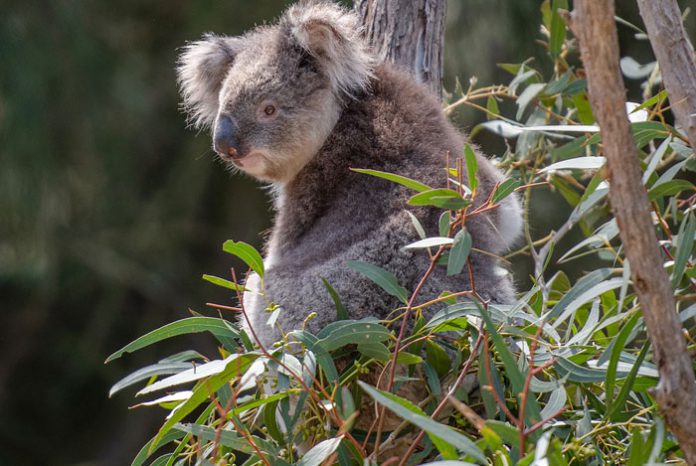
<point x="409" y="33"/>
<point x="593" y="24"/>
<point x="676" y="58"/>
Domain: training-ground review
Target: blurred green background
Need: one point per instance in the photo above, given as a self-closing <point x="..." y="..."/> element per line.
<point x="111" y="210"/>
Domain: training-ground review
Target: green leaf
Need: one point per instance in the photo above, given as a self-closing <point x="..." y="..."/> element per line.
<point x="669" y="188"/>
<point x="320" y="452"/>
<point x="444" y="223"/>
<point x="527" y="96"/>
<point x="505" y="431"/>
<point x="558" y="28"/>
<point x="383" y="278"/>
<point x="628" y="383"/>
<point x="247" y="253"/>
<point x="504" y="189"/>
<point x="162" y="460"/>
<point x="417" y="225"/>
<point x="660" y="96"/>
<point x="218" y="327"/>
<point x="146" y="373"/>
<point x="437" y="357"/>
<point x="413" y="414"/>
<point x="402" y="180"/>
<point x="576" y="373"/>
<point x="558" y="85"/>
<point x="270" y="422"/>
<point x="223" y="283"/>
<point x="226" y="438"/>
<point x="204" y="389"/>
<point x="459" y="252"/>
<point x="492" y="107"/>
<point x="512" y="371"/>
<point x="448" y="463"/>
<point x="341" y="312"/>
<point x="471" y="166"/>
<point x="583" y="285"/>
<point x="684" y="247"/>
<point x="191" y="374"/>
<point x="443" y="198"/>
<point x="375" y="350"/>
<point x="617" y="347"/>
<point x="556" y="401"/>
<point x="148" y="449"/>
<point x="354" y="332"/>
<point x="404" y="357"/>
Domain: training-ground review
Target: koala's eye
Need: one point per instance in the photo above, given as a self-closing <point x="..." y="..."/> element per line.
<point x="269" y="110"/>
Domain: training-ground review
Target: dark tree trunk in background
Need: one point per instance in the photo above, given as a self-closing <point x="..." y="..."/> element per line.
<point x="410" y="33"/>
<point x="676" y="58"/>
<point x="593" y="24"/>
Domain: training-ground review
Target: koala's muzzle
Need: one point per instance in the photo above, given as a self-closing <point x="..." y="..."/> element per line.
<point x="225" y="139"/>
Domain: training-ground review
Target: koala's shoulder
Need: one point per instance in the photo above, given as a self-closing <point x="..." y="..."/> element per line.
<point x="401" y="116"/>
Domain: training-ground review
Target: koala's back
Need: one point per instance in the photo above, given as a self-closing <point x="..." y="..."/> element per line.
<point x="329" y="214"/>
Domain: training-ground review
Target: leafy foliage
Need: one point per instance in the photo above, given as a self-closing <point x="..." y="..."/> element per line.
<point x="561" y="376"/>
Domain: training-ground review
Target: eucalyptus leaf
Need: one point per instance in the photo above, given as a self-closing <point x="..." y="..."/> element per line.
<point x="385" y="279"/>
<point x="217" y="327"/>
<point x="411" y="413"/>
<point x="247" y="253"/>
<point x="402" y="180"/>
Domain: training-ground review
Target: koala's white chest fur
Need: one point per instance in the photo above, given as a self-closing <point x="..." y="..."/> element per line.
<point x="255" y="303"/>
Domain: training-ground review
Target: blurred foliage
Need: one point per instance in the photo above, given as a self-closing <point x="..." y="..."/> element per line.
<point x="109" y="206"/>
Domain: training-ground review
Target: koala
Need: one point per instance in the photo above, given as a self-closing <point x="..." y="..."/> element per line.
<point x="296" y="105"/>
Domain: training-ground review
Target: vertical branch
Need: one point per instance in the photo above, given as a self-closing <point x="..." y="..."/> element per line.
<point x="409" y="33"/>
<point x="676" y="58"/>
<point x="593" y="24"/>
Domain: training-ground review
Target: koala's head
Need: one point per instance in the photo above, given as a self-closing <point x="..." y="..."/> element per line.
<point x="273" y="95"/>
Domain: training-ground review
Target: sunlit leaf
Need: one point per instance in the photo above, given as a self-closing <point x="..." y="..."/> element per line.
<point x="217" y="327"/>
<point x="435" y="241"/>
<point x="402" y="180"/>
<point x="247" y="253"/>
<point x="443" y="198"/>
<point x="320" y="452"/>
<point x="224" y="283"/>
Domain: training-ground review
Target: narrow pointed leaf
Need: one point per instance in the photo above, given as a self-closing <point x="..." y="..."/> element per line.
<point x="459" y="252"/>
<point x="413" y="414"/>
<point x="218" y="327"/>
<point x="247" y="253"/>
<point x="402" y="180"/>
<point x="385" y="279"/>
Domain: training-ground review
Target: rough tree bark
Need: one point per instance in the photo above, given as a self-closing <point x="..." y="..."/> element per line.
<point x="410" y="33"/>
<point x="593" y="24"/>
<point x="676" y="58"/>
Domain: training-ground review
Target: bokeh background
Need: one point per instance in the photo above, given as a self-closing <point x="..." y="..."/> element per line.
<point x="111" y="209"/>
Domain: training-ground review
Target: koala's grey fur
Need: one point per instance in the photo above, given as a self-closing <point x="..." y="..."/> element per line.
<point x="337" y="109"/>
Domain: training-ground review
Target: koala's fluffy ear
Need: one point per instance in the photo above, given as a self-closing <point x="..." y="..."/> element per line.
<point x="332" y="35"/>
<point x="201" y="69"/>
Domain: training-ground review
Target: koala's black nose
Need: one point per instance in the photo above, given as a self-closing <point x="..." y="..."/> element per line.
<point x="225" y="139"/>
